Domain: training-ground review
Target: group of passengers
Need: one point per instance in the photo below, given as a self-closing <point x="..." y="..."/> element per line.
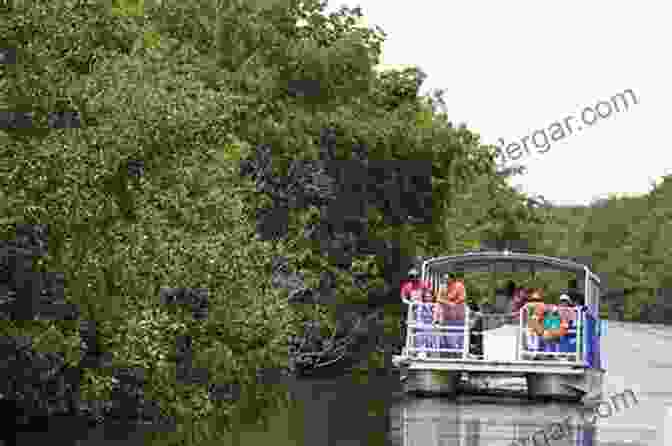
<point x="549" y="327"/>
<point x="446" y="308"/>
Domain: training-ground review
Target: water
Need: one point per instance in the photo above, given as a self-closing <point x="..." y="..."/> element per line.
<point x="352" y="411"/>
<point x="636" y="358"/>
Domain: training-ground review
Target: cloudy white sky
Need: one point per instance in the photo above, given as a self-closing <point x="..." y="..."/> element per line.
<point x="511" y="68"/>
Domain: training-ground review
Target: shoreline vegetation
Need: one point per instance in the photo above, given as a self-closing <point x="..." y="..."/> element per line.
<point x="189" y="232"/>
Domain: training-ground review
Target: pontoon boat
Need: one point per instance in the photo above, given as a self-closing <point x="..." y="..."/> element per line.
<point x="505" y="349"/>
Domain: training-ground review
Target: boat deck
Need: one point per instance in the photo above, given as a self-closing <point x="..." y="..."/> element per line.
<point x="482" y="366"/>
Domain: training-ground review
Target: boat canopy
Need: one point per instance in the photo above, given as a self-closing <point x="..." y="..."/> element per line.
<point x="507" y="261"/>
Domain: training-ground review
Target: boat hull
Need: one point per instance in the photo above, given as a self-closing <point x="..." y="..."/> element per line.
<point x="551" y="385"/>
<point x="544" y="380"/>
<point x="432" y="382"/>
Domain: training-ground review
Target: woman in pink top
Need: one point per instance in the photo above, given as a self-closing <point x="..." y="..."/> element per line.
<point x="411" y="291"/>
<point x="414" y="289"/>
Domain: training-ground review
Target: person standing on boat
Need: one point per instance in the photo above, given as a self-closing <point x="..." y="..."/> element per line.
<point x="535" y="320"/>
<point x="548" y="324"/>
<point x="451" y="296"/>
<point x="519" y="299"/>
<point x="568" y="317"/>
<point x="440" y="309"/>
<point x="449" y="310"/>
<point x="511" y="291"/>
<point x="411" y="291"/>
<point x="557" y="323"/>
<point x="567" y="309"/>
<point x="424" y="338"/>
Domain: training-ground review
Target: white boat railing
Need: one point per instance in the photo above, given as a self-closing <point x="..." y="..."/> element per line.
<point x="451" y="339"/>
<point x="432" y="333"/>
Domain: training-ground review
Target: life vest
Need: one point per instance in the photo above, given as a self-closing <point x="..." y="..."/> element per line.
<point x="556" y="324"/>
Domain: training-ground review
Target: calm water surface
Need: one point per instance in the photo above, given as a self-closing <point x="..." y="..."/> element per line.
<point x="349" y="411"/>
<point x="637" y="356"/>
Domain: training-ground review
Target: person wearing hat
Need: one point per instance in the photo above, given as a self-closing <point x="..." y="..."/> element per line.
<point x="549" y="325"/>
<point x="411" y="291"/>
<point x="557" y="325"/>
<point x="567" y="308"/>
<point x="414" y="288"/>
<point x="565" y="300"/>
<point x="568" y="316"/>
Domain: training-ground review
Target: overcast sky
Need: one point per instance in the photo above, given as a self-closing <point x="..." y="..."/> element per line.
<point x="512" y="68"/>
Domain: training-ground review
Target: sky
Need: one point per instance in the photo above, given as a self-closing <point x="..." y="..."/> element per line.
<point x="510" y="69"/>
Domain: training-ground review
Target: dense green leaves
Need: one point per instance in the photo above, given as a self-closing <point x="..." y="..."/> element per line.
<point x="628" y="242"/>
<point x="147" y="193"/>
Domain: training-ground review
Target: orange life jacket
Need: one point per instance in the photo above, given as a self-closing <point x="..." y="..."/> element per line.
<point x="536" y="322"/>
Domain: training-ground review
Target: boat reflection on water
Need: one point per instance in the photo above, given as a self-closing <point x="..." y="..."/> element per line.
<point x="437" y="422"/>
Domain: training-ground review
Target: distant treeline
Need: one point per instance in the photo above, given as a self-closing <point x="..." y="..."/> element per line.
<point x="628" y="241"/>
